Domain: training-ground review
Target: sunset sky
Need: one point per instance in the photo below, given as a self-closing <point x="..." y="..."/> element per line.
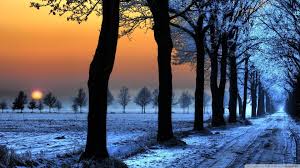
<point x="42" y="51"/>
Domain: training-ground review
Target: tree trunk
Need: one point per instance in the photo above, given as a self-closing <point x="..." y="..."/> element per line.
<point x="162" y="34"/>
<point x="217" y="116"/>
<point x="254" y="93"/>
<point x="199" y="92"/>
<point x="261" y="101"/>
<point x="99" y="74"/>
<point x="245" y="90"/>
<point x="223" y="72"/>
<point x="233" y="89"/>
<point x="268" y="104"/>
<point x="240" y="103"/>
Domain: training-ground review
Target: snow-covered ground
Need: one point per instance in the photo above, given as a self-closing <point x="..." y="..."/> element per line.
<point x="267" y="140"/>
<point x="50" y="134"/>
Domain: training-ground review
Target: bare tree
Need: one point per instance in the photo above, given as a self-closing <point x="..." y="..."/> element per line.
<point x="143" y="98"/>
<point x="80" y="100"/>
<point x="32" y="105"/>
<point x="124" y="97"/>
<point x="20" y="101"/>
<point x="185" y="100"/>
<point x="50" y="100"/>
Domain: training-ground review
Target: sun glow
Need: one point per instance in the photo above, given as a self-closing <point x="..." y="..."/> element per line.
<point x="37" y="95"/>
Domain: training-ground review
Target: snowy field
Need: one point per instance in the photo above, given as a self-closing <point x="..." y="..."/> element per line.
<point x="131" y="137"/>
<point x="50" y="134"/>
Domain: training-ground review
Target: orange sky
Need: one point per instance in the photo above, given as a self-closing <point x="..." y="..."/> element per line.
<point x="38" y="50"/>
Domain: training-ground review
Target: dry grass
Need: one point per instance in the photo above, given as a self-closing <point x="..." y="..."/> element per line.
<point x="9" y="159"/>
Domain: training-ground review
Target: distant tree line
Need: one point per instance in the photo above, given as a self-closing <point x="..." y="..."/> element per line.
<point x="143" y="98"/>
<point x="21" y="102"/>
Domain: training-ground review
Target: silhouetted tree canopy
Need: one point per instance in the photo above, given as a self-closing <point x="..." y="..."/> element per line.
<point x="80" y="100"/>
<point x="32" y="105"/>
<point x="124" y="97"/>
<point x="50" y="100"/>
<point x="20" y="101"/>
<point x="143" y="98"/>
<point x="185" y="100"/>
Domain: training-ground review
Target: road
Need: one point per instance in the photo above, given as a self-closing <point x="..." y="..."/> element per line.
<point x="268" y="140"/>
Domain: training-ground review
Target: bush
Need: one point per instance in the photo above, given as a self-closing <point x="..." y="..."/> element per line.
<point x="8" y="158"/>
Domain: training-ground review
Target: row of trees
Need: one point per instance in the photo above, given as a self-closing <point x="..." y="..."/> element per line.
<point x="217" y="34"/>
<point x="21" y="101"/>
<point x="142" y="99"/>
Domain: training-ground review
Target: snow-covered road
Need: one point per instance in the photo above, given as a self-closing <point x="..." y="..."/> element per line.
<point x="267" y="140"/>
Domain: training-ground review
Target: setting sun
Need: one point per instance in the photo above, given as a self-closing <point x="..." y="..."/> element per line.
<point x="36" y="95"/>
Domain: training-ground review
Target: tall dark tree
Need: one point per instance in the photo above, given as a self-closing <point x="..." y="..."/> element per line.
<point x="240" y="104"/>
<point x="162" y="35"/>
<point x="245" y="89"/>
<point x="233" y="89"/>
<point x="253" y="88"/>
<point x="50" y="100"/>
<point x="143" y="98"/>
<point x="100" y="67"/>
<point x="20" y="101"/>
<point x="124" y="97"/>
<point x="32" y="105"/>
<point x="3" y="106"/>
<point x="217" y="91"/>
<point x="261" y="100"/>
<point x="100" y="70"/>
<point x="80" y="100"/>
<point x="197" y="34"/>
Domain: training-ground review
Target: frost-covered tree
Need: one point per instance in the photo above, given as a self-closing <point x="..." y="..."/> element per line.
<point x="80" y="100"/>
<point x="282" y="20"/>
<point x="124" y="97"/>
<point x="50" y="100"/>
<point x="3" y="105"/>
<point x="185" y="100"/>
<point x="20" y="101"/>
<point x="143" y="98"/>
<point x="32" y="105"/>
